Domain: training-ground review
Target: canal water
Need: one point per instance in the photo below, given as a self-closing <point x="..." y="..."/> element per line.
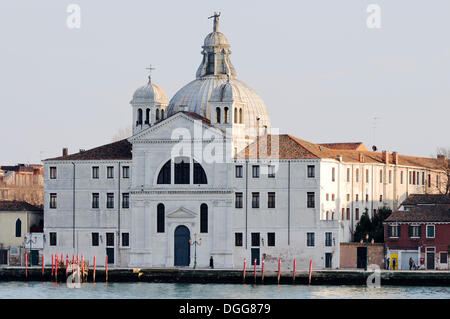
<point x="48" y="290"/>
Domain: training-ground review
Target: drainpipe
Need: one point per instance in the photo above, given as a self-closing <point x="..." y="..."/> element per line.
<point x="73" y="208"/>
<point x="118" y="219"/>
<point x="246" y="202"/>
<point x="289" y="202"/>
<point x="352" y="201"/>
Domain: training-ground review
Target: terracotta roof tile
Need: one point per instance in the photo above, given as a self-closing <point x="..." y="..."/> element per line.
<point x="418" y="199"/>
<point x="352" y="146"/>
<point x="113" y="151"/>
<point x="438" y="213"/>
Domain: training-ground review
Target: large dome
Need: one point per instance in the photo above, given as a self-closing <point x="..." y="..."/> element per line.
<point x="215" y="70"/>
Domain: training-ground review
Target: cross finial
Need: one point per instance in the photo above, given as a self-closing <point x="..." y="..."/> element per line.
<point x="150" y="69"/>
<point x="216" y="21"/>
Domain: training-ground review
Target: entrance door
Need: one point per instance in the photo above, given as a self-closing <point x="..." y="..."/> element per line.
<point x="110" y="247"/>
<point x="182" y="246"/>
<point x="328" y="260"/>
<point x="34" y="257"/>
<point x="361" y="257"/>
<point x="255" y="255"/>
<point x="3" y="257"/>
<point x="430" y="258"/>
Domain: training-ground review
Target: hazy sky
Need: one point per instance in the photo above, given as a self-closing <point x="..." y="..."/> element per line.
<point x="323" y="74"/>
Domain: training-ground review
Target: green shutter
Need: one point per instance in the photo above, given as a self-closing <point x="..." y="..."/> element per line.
<point x="410" y="230"/>
<point x="389" y="231"/>
<point x="399" y="228"/>
<point x="420" y="231"/>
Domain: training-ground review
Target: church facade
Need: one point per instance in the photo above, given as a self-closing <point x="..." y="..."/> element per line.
<point x="203" y="178"/>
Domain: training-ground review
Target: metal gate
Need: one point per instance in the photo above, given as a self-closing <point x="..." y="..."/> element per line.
<point x="361" y="257"/>
<point x="182" y="247"/>
<point x="3" y="257"/>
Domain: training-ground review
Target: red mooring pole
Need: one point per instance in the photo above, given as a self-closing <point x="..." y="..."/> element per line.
<point x="295" y="264"/>
<point x="262" y="275"/>
<point x="255" y="269"/>
<point x="26" y="264"/>
<point x="56" y="267"/>
<point x="53" y="263"/>
<point x="106" y="268"/>
<point x="42" y="265"/>
<point x="245" y="262"/>
<point x="279" y="270"/>
<point x="94" y="269"/>
<point x="310" y="270"/>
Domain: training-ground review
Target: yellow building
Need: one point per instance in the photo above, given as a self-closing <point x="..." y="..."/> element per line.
<point x="17" y="218"/>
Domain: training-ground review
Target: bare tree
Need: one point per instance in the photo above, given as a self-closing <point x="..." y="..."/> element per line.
<point x="443" y="156"/>
<point x="122" y="133"/>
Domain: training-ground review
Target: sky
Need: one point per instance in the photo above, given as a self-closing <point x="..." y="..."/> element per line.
<point x="324" y="75"/>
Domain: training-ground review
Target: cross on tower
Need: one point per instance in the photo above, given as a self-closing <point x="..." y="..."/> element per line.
<point x="150" y="69"/>
<point x="216" y="21"/>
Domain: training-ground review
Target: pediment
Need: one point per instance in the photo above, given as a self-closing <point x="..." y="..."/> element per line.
<point x="181" y="212"/>
<point x="180" y="122"/>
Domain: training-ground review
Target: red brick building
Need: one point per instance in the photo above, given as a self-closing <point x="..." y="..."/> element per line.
<point x="22" y="183"/>
<point x="419" y="230"/>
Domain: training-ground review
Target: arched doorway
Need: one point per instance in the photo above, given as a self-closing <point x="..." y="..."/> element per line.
<point x="182" y="246"/>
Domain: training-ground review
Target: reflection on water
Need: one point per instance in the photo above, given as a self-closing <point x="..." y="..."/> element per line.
<point x="28" y="290"/>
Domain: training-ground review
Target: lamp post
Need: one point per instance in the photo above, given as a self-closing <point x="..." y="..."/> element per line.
<point x="195" y="243"/>
<point x="29" y="241"/>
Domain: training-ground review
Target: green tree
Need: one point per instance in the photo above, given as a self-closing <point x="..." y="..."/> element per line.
<point x="373" y="227"/>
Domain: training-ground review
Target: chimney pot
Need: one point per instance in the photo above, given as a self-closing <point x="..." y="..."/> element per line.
<point x="65" y="152"/>
<point x="385" y="157"/>
<point x="395" y="157"/>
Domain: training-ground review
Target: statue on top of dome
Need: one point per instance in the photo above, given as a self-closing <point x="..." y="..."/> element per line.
<point x="216" y="21"/>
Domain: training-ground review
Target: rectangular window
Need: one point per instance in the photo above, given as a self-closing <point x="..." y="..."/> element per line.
<point x="430" y="231"/>
<point x="255" y="171"/>
<point x="53" y="200"/>
<point x="357" y="175"/>
<point x="413" y="178"/>
<point x="52" y="172"/>
<point x="255" y="200"/>
<point x="238" y="239"/>
<point x="437" y="180"/>
<point x="95" y="200"/>
<point x="401" y="177"/>
<point x="255" y="239"/>
<point x="110" y="200"/>
<point x="239" y="171"/>
<point x="423" y="178"/>
<point x="429" y="180"/>
<point x="381" y="176"/>
<point x="271" y="171"/>
<point x="311" y="171"/>
<point x="390" y="176"/>
<point x="238" y="201"/>
<point x="367" y="175"/>
<point x="52" y="239"/>
<point x="327" y="197"/>
<point x="333" y="174"/>
<point x="443" y="258"/>
<point x="348" y="213"/>
<point x="310" y="203"/>
<point x="367" y="197"/>
<point x="110" y="172"/>
<point x="310" y="239"/>
<point x="95" y="170"/>
<point x="357" y="213"/>
<point x="125" y="172"/>
<point x="95" y="239"/>
<point x="271" y="239"/>
<point x="109" y="239"/>
<point x="328" y="239"/>
<point x="381" y="198"/>
<point x="356" y="197"/>
<point x="125" y="239"/>
<point x="394" y="231"/>
<point x="271" y="200"/>
<point x="125" y="200"/>
<point x="348" y="197"/>
<point x="348" y="174"/>
<point x="332" y="197"/>
<point x="414" y="231"/>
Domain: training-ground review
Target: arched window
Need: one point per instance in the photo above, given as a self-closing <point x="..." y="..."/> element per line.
<point x="217" y="115"/>
<point x="182" y="170"/>
<point x="18" y="228"/>
<point x="235" y="115"/>
<point x="157" y="114"/>
<point x="225" y="115"/>
<point x="164" y="174"/>
<point x="204" y="218"/>
<point x="162" y="114"/>
<point x="139" y="121"/>
<point x="199" y="174"/>
<point x="160" y="218"/>
<point x="147" y="116"/>
<point x="240" y="116"/>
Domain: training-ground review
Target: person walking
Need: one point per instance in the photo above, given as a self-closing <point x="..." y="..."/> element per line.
<point x="211" y="263"/>
<point x="411" y="263"/>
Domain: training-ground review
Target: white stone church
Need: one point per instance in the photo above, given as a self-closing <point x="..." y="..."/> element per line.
<point x="206" y="168"/>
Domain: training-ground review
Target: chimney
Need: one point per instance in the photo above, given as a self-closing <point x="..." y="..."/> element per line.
<point x="65" y="152"/>
<point x="395" y="158"/>
<point x="361" y="157"/>
<point x="442" y="159"/>
<point x="385" y="157"/>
